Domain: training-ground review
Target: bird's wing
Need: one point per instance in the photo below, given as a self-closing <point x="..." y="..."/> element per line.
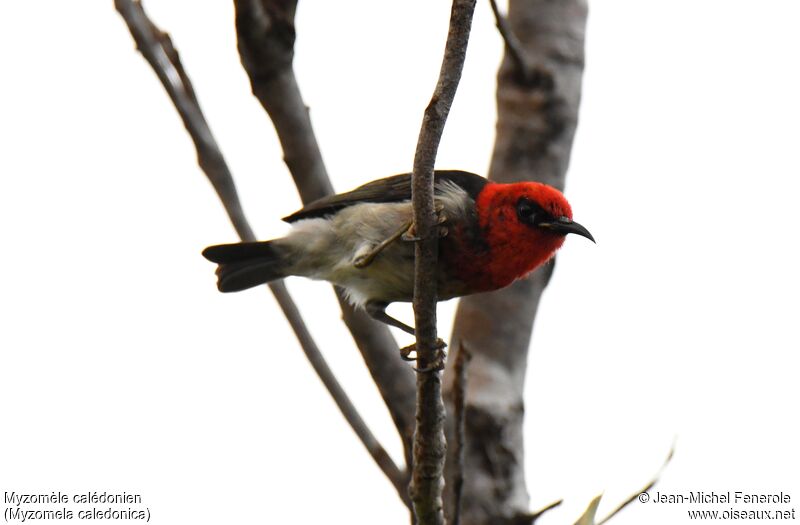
<point x="390" y="189"/>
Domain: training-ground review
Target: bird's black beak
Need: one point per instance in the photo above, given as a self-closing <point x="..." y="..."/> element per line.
<point x="565" y="225"/>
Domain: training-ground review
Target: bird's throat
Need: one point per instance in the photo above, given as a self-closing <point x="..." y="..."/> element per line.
<point x="497" y="260"/>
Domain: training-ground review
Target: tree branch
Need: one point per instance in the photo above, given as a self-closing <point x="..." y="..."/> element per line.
<point x="157" y="49"/>
<point x="427" y="479"/>
<point x="265" y="35"/>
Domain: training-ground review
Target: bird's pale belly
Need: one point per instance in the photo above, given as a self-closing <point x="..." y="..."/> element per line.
<point x="390" y="278"/>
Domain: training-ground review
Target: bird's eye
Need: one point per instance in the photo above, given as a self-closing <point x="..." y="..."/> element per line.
<point x="527" y="210"/>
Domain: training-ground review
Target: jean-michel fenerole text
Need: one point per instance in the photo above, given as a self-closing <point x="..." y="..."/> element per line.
<point x="698" y="496"/>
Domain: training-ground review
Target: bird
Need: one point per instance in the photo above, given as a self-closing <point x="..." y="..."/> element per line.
<point x="490" y="234"/>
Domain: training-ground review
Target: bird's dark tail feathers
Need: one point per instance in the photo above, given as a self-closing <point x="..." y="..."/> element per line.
<point x="246" y="264"/>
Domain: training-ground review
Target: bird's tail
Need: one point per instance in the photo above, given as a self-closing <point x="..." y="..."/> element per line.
<point x="247" y="264"/>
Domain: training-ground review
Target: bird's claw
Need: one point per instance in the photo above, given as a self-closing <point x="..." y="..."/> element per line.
<point x="441" y="218"/>
<point x="436" y="365"/>
<point x="410" y="235"/>
<point x="405" y="352"/>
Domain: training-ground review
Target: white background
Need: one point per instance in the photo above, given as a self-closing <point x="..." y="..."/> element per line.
<point x="122" y="367"/>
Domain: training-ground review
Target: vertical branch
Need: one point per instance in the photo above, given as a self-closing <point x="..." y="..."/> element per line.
<point x="265" y="37"/>
<point x="535" y="127"/>
<point x="427" y="479"/>
<point x="157" y="49"/>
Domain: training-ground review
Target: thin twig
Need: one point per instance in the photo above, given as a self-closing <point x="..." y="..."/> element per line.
<point x="529" y="518"/>
<point x="550" y="506"/>
<point x="157" y="49"/>
<point x="427" y="478"/>
<point x="528" y="75"/>
<point x="265" y="35"/>
<point x="459" y="394"/>
<point x="633" y="497"/>
<point x="513" y="47"/>
<point x="587" y="518"/>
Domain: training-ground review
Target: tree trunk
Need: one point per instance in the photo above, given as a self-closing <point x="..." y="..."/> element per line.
<point x="536" y="124"/>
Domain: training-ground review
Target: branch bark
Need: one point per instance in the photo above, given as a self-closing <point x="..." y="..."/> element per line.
<point x="427" y="479"/>
<point x="265" y="36"/>
<point x="535" y="129"/>
<point x="156" y="47"/>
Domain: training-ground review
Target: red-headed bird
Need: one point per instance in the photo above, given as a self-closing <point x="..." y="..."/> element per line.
<point x="490" y="235"/>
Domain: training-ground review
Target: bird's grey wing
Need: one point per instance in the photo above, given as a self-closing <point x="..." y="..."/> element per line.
<point x="390" y="189"/>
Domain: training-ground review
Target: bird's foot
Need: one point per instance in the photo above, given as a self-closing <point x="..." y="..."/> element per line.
<point x="410" y="235"/>
<point x="438" y="362"/>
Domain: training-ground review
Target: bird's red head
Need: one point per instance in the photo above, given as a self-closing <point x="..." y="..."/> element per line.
<point x="523" y="224"/>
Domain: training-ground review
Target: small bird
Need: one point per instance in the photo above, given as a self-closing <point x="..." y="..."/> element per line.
<point x="490" y="235"/>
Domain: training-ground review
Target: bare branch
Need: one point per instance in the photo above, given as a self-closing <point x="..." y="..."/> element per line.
<point x="513" y="46"/>
<point x="459" y="392"/>
<point x="633" y="497"/>
<point x="265" y="34"/>
<point x="587" y="518"/>
<point x="528" y="74"/>
<point x="427" y="479"/>
<point x="157" y="49"/>
<point x="538" y="514"/>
